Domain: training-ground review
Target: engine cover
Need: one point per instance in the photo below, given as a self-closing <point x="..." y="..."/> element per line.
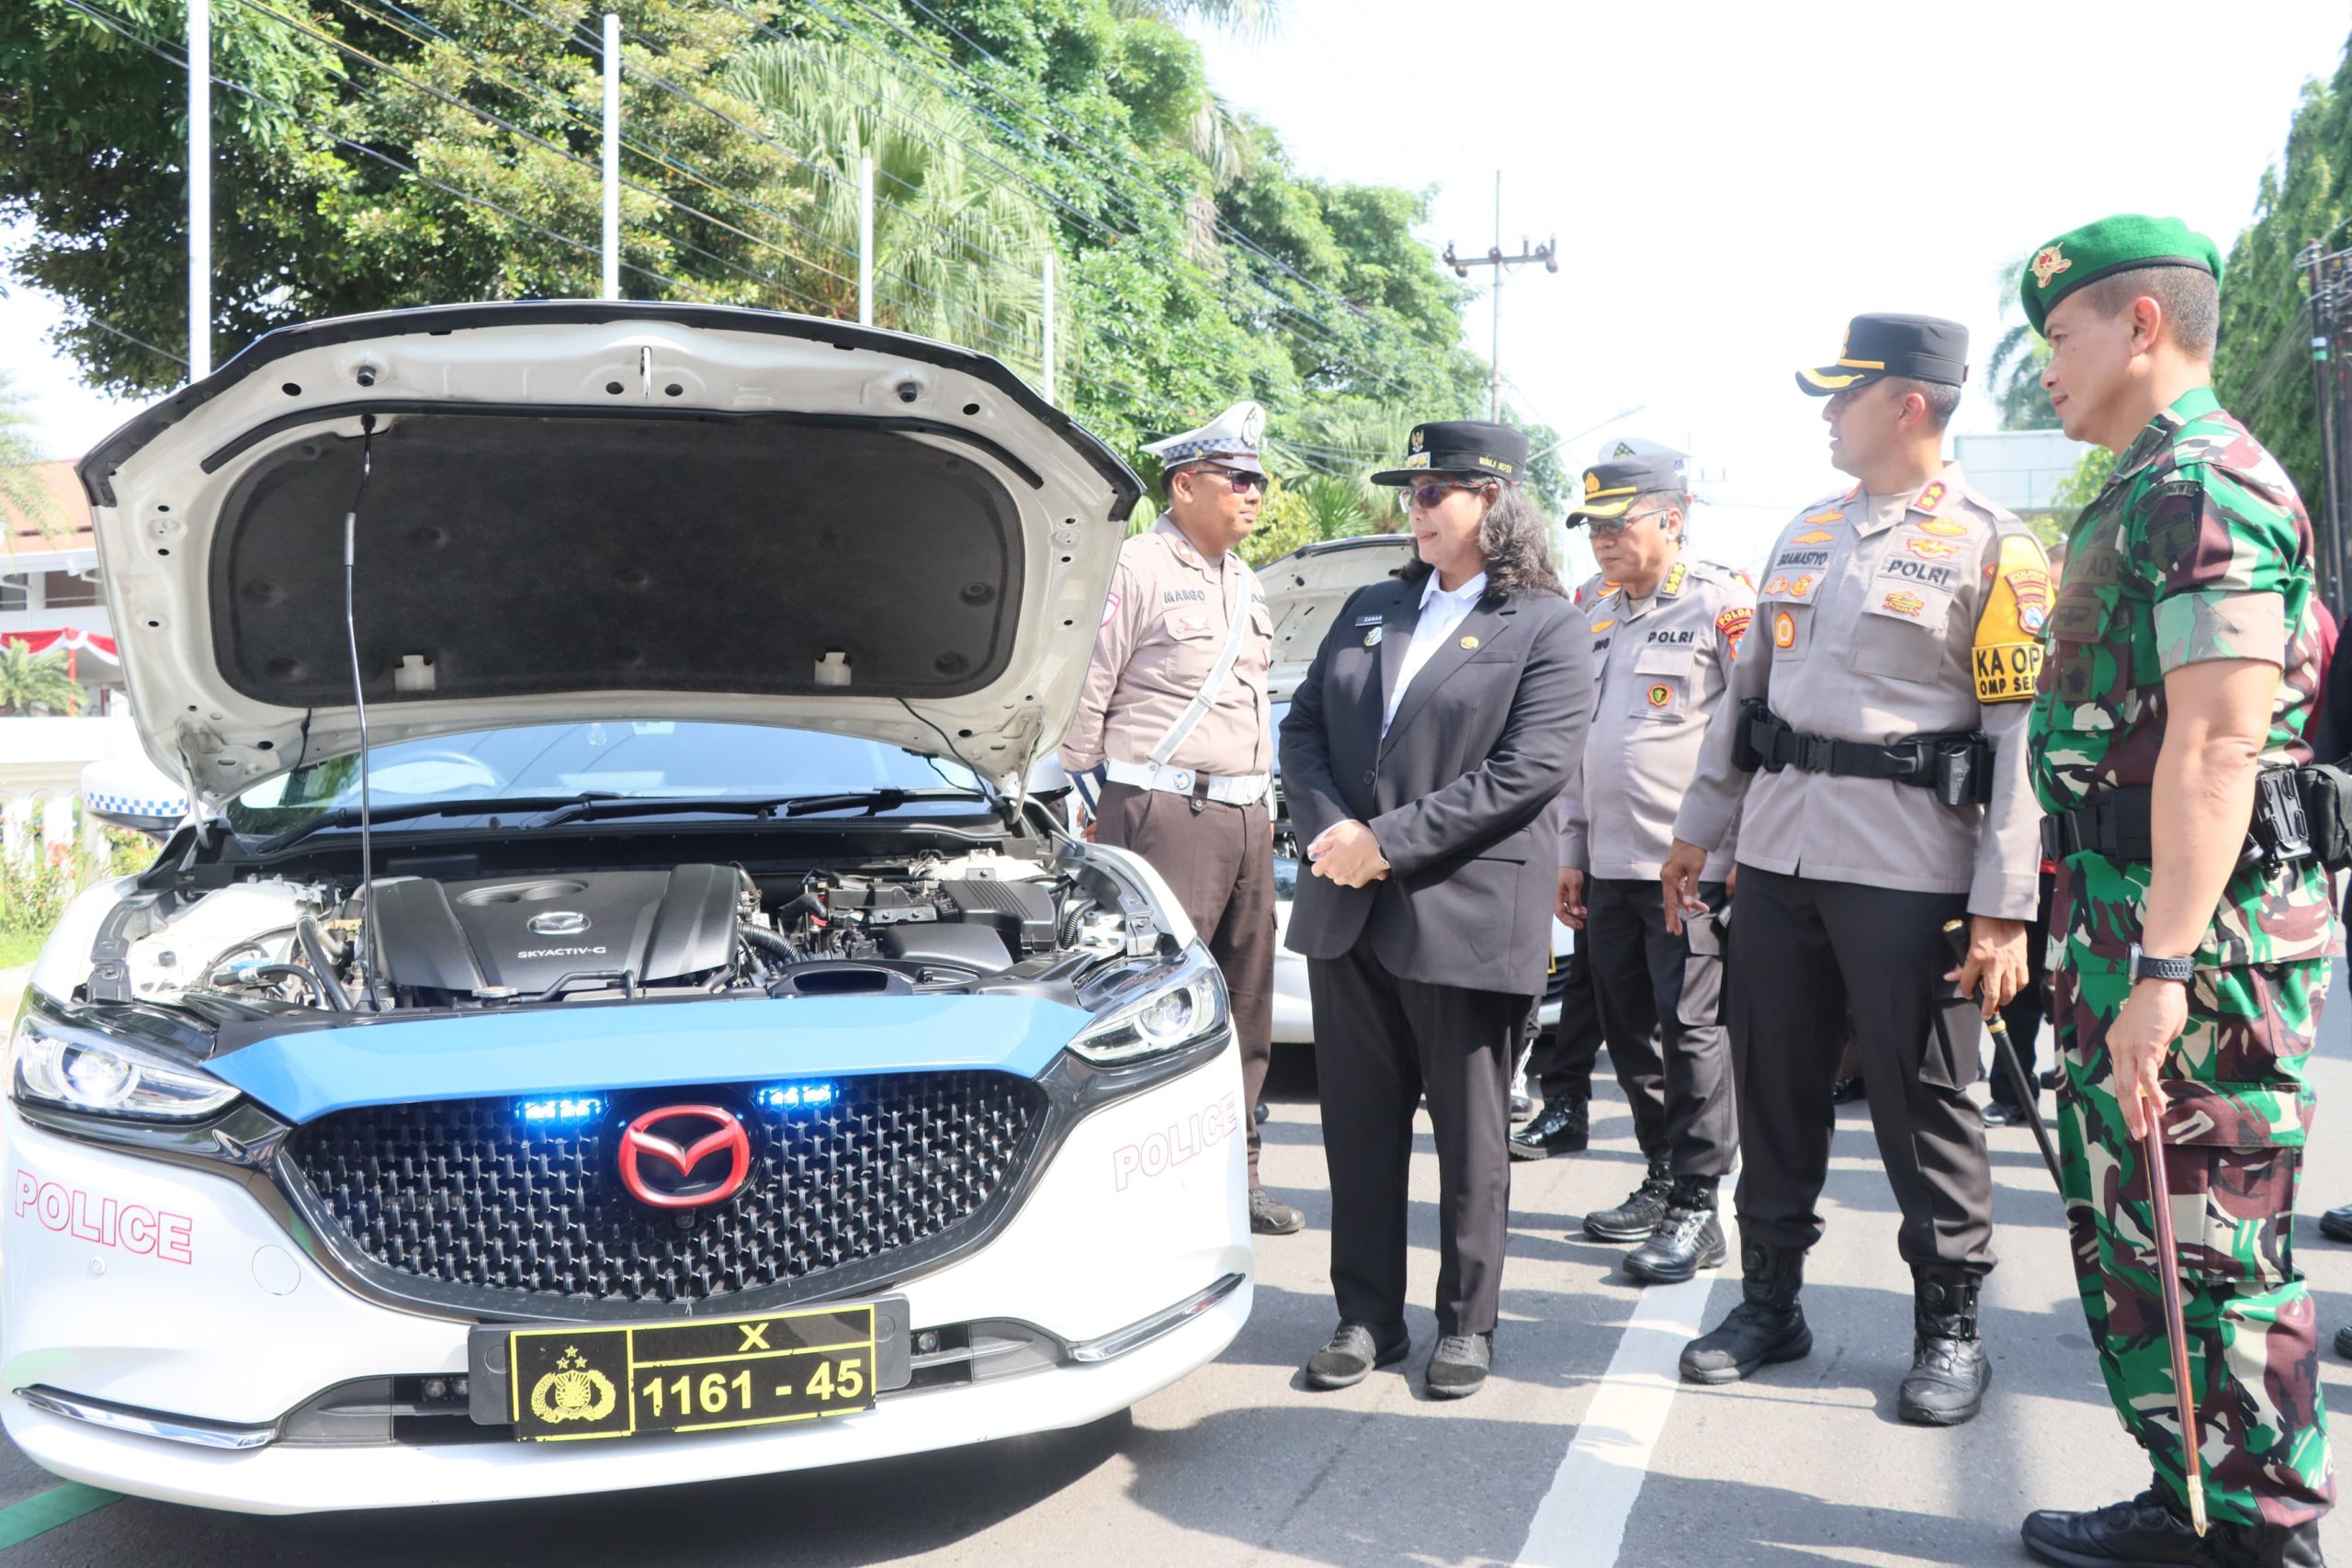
<point x="530" y="932"/>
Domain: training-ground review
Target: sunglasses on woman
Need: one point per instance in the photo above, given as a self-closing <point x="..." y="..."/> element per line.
<point x="1431" y="495"/>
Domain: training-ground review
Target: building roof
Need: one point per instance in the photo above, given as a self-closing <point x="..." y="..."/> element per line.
<point x="59" y="541"/>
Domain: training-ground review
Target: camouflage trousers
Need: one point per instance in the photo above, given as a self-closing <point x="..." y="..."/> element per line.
<point x="2238" y="1110"/>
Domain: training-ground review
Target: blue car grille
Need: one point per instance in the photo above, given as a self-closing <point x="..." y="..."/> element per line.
<point x="460" y="1192"/>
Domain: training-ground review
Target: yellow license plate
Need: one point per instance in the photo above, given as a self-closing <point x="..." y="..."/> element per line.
<point x="594" y="1381"/>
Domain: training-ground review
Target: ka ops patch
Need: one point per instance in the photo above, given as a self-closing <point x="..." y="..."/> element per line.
<point x="2006" y="659"/>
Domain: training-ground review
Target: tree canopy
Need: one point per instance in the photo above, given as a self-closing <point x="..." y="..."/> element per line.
<point x="378" y="153"/>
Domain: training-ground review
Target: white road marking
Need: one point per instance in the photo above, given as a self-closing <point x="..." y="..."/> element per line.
<point x="1581" y="1521"/>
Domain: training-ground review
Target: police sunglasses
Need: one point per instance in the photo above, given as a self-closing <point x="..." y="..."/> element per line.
<point x="1598" y="527"/>
<point x="1240" y="482"/>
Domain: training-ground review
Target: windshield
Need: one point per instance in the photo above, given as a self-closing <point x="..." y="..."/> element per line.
<point x="631" y="760"/>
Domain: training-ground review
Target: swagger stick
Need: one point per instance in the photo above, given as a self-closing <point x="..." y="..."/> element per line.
<point x="2005" y="1051"/>
<point x="2192" y="1459"/>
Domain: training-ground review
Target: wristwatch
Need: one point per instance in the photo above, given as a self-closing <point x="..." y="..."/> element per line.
<point x="2146" y="966"/>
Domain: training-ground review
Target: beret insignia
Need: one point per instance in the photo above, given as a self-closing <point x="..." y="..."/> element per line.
<point x="2048" y="264"/>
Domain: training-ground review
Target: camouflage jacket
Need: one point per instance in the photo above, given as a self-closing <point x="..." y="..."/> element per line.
<point x="2197" y="550"/>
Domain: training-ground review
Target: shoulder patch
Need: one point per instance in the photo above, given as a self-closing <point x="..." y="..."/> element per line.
<point x="2006" y="659"/>
<point x="1731" y="626"/>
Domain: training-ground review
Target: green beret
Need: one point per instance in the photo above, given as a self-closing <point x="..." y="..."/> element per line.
<point x="2121" y="244"/>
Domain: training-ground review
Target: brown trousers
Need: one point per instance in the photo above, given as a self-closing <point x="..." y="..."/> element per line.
<point x="1220" y="860"/>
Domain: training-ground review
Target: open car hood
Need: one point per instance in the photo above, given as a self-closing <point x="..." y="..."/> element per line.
<point x="601" y="510"/>
<point x="1305" y="588"/>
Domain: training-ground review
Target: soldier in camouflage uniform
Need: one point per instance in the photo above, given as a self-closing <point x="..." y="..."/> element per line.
<point x="2182" y="646"/>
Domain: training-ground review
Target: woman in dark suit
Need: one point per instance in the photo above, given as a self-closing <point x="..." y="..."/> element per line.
<point x="1423" y="759"/>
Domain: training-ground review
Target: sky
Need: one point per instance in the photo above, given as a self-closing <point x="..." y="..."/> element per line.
<point x="1729" y="183"/>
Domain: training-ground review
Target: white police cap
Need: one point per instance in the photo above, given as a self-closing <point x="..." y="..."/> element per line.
<point x="1230" y="438"/>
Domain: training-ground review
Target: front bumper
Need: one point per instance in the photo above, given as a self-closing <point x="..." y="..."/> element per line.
<point x="166" y="1289"/>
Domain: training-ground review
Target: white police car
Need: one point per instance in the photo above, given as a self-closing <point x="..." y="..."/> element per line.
<point x="728" y="1068"/>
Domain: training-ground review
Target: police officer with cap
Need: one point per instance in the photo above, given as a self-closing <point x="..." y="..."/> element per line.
<point x="1666" y="638"/>
<point x="1875" y="743"/>
<point x="1173" y="721"/>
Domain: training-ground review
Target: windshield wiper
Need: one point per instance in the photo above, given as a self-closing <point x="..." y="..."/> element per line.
<point x="348" y="816"/>
<point x="874" y="801"/>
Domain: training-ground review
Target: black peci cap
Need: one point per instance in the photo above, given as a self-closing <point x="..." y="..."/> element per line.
<point x="1460" y="446"/>
<point x="1924" y="348"/>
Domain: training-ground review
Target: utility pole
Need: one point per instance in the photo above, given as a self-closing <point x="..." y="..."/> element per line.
<point x="612" y="255"/>
<point x="2326" y="301"/>
<point x="1546" y="253"/>
<point x="199" y="189"/>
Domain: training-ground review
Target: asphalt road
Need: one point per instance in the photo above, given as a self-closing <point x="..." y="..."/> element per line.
<point x="1562" y="1461"/>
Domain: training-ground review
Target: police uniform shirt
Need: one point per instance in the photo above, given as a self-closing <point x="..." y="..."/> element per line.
<point x="1879" y="618"/>
<point x="1660" y="667"/>
<point x="1163" y="630"/>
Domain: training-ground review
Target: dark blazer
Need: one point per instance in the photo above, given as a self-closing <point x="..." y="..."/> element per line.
<point x="1462" y="794"/>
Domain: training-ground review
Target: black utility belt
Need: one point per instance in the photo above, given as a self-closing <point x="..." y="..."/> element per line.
<point x="1956" y="768"/>
<point x="2117" y="824"/>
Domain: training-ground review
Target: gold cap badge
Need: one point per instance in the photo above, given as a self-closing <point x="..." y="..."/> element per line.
<point x="2048" y="264"/>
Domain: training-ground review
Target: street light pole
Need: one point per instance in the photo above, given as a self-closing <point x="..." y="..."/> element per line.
<point x="1546" y="253"/>
<point x="611" y="279"/>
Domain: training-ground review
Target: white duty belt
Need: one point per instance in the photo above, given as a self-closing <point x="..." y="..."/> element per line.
<point x="1233" y="789"/>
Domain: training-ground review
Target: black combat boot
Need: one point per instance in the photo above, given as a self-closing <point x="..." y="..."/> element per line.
<point x="2146" y="1532"/>
<point x="2264" y="1546"/>
<point x="1689" y="1238"/>
<point x="1639" y="1214"/>
<point x="1949" y="1368"/>
<point x="1767" y="1326"/>
<point x="1561" y="1127"/>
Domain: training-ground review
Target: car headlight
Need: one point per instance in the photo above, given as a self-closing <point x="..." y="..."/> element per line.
<point x="1183" y="1008"/>
<point x="82" y="1069"/>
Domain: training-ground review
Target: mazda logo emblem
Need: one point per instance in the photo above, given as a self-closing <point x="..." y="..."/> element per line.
<point x="683" y="1156"/>
<point x="559" y="923"/>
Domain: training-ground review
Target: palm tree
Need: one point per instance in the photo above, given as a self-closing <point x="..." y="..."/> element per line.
<point x="31" y="683"/>
<point x="2014" y="372"/>
<point x="21" y="491"/>
<point x="959" y="253"/>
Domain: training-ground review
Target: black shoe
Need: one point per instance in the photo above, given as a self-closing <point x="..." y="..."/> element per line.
<point x="2264" y="1546"/>
<point x="1949" y="1368"/>
<point x="2138" y="1531"/>
<point x="1355" y="1349"/>
<point x="1689" y="1238"/>
<point x="1271" y="1216"/>
<point x="1458" y="1366"/>
<point x="1844" y="1091"/>
<point x="1767" y="1326"/>
<point x="1262" y="1113"/>
<point x="2336" y="1223"/>
<point x="2344" y="1343"/>
<point x="1522" y="1106"/>
<point x="1561" y="1127"/>
<point x="2001" y="1113"/>
<point x="1639" y="1214"/>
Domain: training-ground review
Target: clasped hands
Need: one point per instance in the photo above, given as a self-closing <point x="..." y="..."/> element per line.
<point x="1348" y="853"/>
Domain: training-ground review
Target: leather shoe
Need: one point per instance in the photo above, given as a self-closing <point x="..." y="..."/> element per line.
<point x="2264" y="1546"/>
<point x="1271" y="1216"/>
<point x="1689" y="1238"/>
<point x="1355" y="1349"/>
<point x="2344" y="1343"/>
<point x="1561" y="1127"/>
<point x="1458" y="1366"/>
<point x="1522" y="1106"/>
<point x="1844" y="1091"/>
<point x="2336" y="1223"/>
<point x="2138" y="1530"/>
<point x="1639" y="1214"/>
<point x="1949" y="1368"/>
<point x="2001" y="1113"/>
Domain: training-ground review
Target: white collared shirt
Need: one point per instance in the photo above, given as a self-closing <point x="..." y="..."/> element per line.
<point x="1441" y="613"/>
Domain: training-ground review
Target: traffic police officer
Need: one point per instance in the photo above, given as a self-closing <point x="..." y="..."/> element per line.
<point x="1175" y="717"/>
<point x="2191" y="929"/>
<point x="1883" y="698"/>
<point x="1665" y="639"/>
